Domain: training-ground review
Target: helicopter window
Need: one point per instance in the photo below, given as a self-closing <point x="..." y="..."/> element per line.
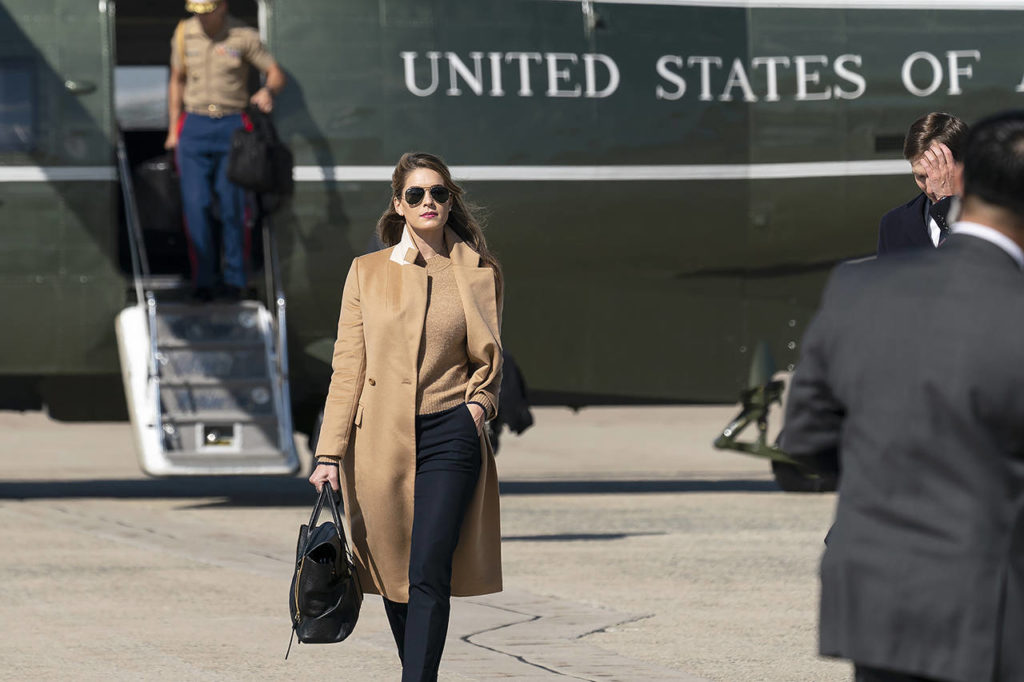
<point x="17" y="107"/>
<point x="140" y="97"/>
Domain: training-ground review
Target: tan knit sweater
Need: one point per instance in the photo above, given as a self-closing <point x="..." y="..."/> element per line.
<point x="443" y="362"/>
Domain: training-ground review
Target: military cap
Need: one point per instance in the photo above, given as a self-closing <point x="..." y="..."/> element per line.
<point x="201" y="6"/>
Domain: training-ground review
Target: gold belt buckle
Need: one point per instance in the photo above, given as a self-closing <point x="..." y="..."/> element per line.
<point x="215" y="111"/>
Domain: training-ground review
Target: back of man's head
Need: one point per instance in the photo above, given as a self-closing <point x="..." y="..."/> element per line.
<point x="932" y="129"/>
<point x="994" y="162"/>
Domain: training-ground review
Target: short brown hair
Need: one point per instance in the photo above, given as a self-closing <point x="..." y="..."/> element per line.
<point x="932" y="128"/>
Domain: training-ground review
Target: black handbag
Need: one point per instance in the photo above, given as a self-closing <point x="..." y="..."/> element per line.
<point x="325" y="595"/>
<point x="258" y="160"/>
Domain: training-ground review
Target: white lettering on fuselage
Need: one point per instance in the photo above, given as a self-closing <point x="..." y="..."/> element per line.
<point x="409" y="59"/>
<point x="561" y="74"/>
<point x="849" y="76"/>
<point x="808" y="82"/>
<point x="707" y="78"/>
<point x="934" y="66"/>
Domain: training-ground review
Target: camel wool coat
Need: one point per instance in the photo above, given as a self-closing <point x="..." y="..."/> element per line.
<point x="369" y="416"/>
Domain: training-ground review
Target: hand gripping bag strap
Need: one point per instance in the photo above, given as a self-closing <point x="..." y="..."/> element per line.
<point x="280" y="163"/>
<point x="262" y="124"/>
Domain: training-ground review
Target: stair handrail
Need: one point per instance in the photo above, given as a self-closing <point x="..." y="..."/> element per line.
<point x="277" y="304"/>
<point x="140" y="272"/>
<point x="136" y="245"/>
<point x="154" y="370"/>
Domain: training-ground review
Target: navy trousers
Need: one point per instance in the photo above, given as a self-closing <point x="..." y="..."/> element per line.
<point x="203" y="147"/>
<point x="447" y="469"/>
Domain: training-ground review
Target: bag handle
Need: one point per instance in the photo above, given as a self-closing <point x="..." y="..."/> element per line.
<point x="325" y="491"/>
<point x="262" y="124"/>
<point x="327" y="494"/>
<point x="344" y="532"/>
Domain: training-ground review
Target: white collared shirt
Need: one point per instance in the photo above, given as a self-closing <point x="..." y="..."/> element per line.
<point x="934" y="231"/>
<point x="405" y="251"/>
<point x="993" y="236"/>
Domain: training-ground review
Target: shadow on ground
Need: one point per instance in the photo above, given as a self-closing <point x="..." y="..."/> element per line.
<point x="249" y="491"/>
<point x="575" y="537"/>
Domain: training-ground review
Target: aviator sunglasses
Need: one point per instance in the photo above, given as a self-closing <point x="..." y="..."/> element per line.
<point x="414" y="195"/>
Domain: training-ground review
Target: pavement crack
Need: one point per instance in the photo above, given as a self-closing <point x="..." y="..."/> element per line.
<point x="529" y="619"/>
<point x="634" y="619"/>
<point x="263" y="555"/>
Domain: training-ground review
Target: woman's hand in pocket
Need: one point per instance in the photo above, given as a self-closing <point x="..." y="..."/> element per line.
<point x="477" y="413"/>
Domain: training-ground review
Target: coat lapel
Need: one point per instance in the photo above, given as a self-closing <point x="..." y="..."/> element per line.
<point x="414" y="309"/>
<point x="476" y="288"/>
<point x="407" y="293"/>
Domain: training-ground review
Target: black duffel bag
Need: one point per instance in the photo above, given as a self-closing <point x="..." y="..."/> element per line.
<point x="158" y="194"/>
<point x="259" y="161"/>
<point x="325" y="595"/>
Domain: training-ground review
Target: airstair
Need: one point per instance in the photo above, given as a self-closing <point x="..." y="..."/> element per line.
<point x="206" y="383"/>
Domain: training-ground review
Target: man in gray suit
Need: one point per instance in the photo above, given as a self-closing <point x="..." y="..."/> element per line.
<point x="912" y="373"/>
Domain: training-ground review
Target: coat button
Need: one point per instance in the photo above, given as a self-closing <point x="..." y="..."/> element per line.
<point x="372" y="382"/>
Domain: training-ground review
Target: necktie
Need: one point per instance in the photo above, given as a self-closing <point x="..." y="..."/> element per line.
<point x="939" y="212"/>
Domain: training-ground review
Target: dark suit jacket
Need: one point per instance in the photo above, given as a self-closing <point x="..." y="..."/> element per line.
<point x="904" y="227"/>
<point x="913" y="370"/>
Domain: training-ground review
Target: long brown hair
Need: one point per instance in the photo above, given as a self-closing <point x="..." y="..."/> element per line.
<point x="460" y="216"/>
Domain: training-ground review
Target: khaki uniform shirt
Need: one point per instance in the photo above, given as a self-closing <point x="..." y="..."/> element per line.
<point x="217" y="69"/>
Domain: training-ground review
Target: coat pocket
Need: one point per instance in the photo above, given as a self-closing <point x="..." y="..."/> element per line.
<point x="358" y="421"/>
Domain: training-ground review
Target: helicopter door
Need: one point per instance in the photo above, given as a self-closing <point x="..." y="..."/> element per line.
<point x="58" y="271"/>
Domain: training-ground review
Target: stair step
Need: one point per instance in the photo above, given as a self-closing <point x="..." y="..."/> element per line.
<point x="203" y="381"/>
<point x="165" y="283"/>
<point x="225" y="363"/>
<point x="218" y="417"/>
<point x="210" y="457"/>
<point x="207" y="307"/>
<point x="178" y="324"/>
<point x="213" y="344"/>
<point x="181" y="454"/>
<point x="255" y="400"/>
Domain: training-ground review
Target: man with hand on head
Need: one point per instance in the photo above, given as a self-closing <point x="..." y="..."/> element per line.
<point x="210" y="57"/>
<point x="912" y="372"/>
<point x="933" y="148"/>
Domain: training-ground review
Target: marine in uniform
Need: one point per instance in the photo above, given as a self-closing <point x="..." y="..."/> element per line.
<point x="211" y="53"/>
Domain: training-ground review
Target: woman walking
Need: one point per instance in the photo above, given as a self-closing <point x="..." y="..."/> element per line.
<point x="417" y="366"/>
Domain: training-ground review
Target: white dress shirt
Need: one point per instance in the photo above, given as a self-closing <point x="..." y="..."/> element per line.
<point x="934" y="232"/>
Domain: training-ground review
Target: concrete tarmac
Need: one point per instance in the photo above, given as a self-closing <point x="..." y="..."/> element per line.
<point x="632" y="551"/>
